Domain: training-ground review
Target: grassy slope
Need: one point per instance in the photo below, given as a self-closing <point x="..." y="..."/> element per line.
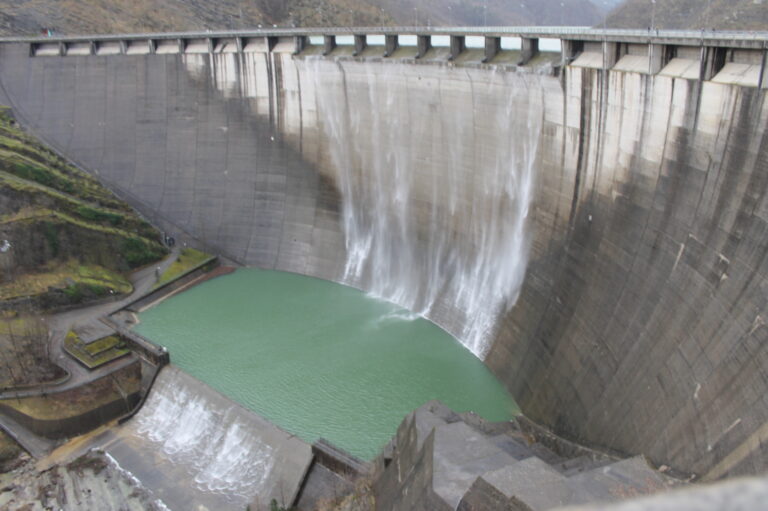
<point x="66" y="230"/>
<point x="187" y="259"/>
<point x="692" y="14"/>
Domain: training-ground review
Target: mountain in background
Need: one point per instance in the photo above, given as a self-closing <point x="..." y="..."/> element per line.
<point x="30" y="17"/>
<point x="691" y="14"/>
<point x="492" y="12"/>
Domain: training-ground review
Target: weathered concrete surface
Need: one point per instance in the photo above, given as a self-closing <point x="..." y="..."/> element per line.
<point x="192" y="447"/>
<point x="740" y="493"/>
<point x="439" y="461"/>
<point x="640" y="325"/>
<point x="92" y="482"/>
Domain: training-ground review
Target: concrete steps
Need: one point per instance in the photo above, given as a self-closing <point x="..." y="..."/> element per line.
<point x="442" y="460"/>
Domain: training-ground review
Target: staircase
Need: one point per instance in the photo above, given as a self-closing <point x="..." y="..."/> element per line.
<point x="440" y="460"/>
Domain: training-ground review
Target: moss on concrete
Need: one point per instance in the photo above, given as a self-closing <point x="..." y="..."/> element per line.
<point x="188" y="259"/>
<point x="97" y="353"/>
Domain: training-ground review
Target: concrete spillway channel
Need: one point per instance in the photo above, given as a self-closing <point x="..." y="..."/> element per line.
<point x="194" y="447"/>
<point x="590" y="222"/>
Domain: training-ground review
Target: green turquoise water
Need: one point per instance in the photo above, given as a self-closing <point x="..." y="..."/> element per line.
<point x="320" y="359"/>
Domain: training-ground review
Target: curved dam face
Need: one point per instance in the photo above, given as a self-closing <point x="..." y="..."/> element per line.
<point x="597" y="237"/>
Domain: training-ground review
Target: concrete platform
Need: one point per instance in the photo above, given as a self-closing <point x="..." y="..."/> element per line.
<point x="195" y="449"/>
<point x="441" y="462"/>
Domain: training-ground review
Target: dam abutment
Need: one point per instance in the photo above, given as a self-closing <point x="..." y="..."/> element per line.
<point x="638" y="322"/>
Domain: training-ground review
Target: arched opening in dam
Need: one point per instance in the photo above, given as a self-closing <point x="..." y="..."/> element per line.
<point x="318" y="359"/>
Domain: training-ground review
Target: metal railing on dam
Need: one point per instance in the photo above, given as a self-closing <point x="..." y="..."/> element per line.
<point x="752" y="39"/>
<point x="698" y="54"/>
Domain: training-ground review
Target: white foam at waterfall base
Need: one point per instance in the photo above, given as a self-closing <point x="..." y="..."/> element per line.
<point x="460" y="261"/>
<point x="219" y="452"/>
<point x="436" y="178"/>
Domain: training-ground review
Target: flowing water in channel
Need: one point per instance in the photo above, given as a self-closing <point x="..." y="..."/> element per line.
<point x="320" y="359"/>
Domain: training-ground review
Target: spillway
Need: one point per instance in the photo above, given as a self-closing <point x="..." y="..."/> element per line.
<point x="193" y="448"/>
<point x="594" y="231"/>
<point x="468" y="247"/>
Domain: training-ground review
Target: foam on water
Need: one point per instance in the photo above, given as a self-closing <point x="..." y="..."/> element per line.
<point x="402" y="225"/>
<point x="219" y="452"/>
<point x="435" y="184"/>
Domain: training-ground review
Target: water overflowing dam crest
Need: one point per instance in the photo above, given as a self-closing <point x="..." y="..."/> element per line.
<point x="397" y="249"/>
<point x="434" y="201"/>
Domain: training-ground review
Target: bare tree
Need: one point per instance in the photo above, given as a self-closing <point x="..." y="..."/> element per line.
<point x="25" y="345"/>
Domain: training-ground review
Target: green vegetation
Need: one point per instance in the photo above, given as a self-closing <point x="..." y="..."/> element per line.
<point x="189" y="259"/>
<point x="51" y="233"/>
<point x="138" y="252"/>
<point x="75" y="279"/>
<point x="70" y="237"/>
<point x="95" y="215"/>
<point x="97" y="353"/>
<point x="73" y="207"/>
<point x="105" y="343"/>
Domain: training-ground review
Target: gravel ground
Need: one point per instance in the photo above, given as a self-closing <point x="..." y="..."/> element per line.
<point x="91" y="482"/>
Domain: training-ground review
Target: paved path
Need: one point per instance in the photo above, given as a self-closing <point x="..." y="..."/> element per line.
<point x="58" y="326"/>
<point x="37" y="446"/>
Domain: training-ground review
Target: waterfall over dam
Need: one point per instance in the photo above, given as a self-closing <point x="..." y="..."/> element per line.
<point x="595" y="232"/>
<point x="472" y="258"/>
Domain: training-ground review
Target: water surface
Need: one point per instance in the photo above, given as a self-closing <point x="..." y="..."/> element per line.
<point x="320" y="359"/>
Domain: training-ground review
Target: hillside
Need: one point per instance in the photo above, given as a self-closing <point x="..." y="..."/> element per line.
<point x="492" y="12"/>
<point x="25" y="17"/>
<point x="64" y="238"/>
<point x="692" y="14"/>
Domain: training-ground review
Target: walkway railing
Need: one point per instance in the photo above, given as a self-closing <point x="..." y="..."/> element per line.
<point x="581" y="33"/>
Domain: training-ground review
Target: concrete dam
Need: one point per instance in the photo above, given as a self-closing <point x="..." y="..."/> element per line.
<point x="591" y="222"/>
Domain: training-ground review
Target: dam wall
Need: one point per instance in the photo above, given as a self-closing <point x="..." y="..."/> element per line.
<point x="592" y="224"/>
